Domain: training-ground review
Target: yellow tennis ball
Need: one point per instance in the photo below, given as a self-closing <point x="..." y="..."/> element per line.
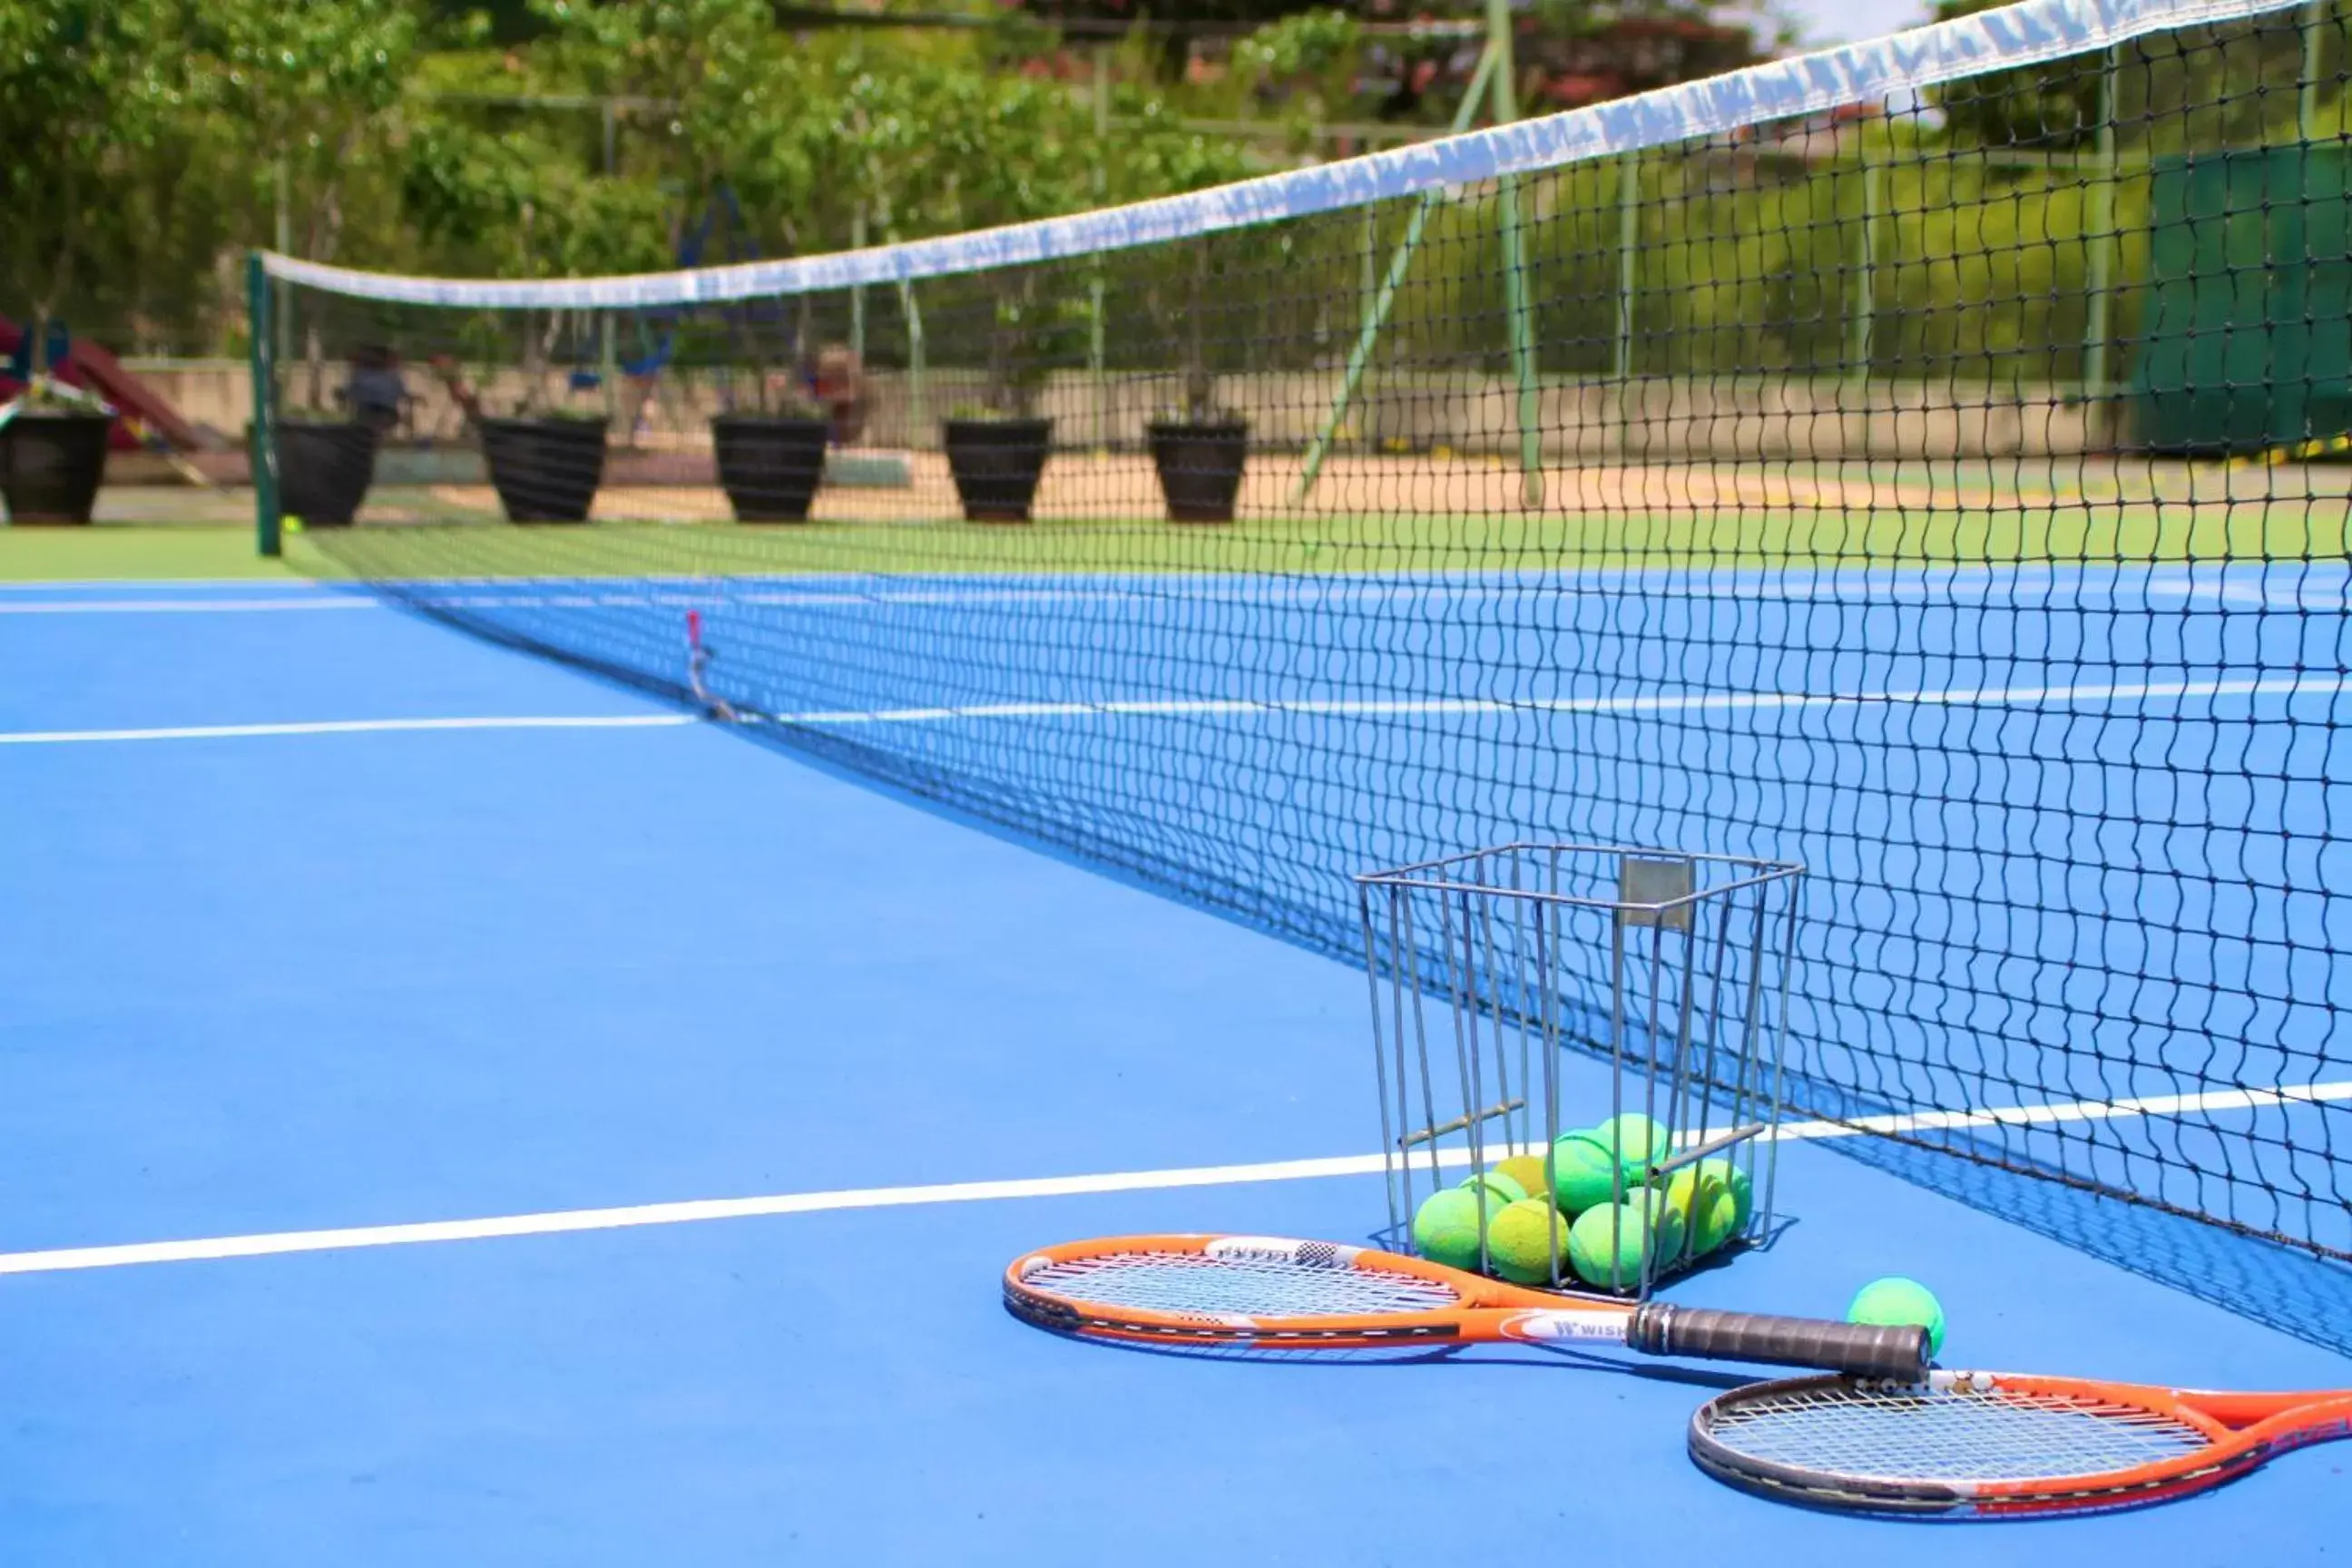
<point x="1505" y="1189"/>
<point x="1694" y="1195"/>
<point x="1527" y="1170"/>
<point x="1526" y="1241"/>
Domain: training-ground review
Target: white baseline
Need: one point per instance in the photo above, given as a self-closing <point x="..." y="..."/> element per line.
<point x="567" y="1221"/>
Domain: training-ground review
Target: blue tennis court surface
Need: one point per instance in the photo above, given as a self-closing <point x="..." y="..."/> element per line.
<point x="324" y="925"/>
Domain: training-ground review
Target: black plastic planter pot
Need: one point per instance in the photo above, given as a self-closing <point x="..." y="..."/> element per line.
<point x="770" y="466"/>
<point x="995" y="463"/>
<point x="1200" y="466"/>
<point x="545" y="470"/>
<point x="51" y="463"/>
<point x="324" y="470"/>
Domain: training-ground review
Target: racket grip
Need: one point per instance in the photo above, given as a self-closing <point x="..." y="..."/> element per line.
<point x="1865" y="1350"/>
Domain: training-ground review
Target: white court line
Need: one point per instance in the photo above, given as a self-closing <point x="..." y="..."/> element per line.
<point x="343" y="727"/>
<point x="160" y="585"/>
<point x="568" y="1221"/>
<point x="2305" y="685"/>
<point x="187" y="606"/>
<point x="1350" y="707"/>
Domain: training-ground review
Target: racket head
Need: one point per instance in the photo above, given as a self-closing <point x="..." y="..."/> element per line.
<point x="1977" y="1444"/>
<point x="1254" y="1292"/>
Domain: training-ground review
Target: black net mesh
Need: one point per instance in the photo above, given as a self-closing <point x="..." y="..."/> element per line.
<point x="1940" y="490"/>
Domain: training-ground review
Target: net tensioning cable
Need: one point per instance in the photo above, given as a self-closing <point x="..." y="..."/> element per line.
<point x="1916" y="459"/>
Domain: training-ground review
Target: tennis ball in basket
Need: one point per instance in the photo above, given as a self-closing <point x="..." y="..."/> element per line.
<point x="1606" y="1245"/>
<point x="1736" y="1181"/>
<point x="1527" y="1170"/>
<point x="1445" y="1226"/>
<point x="1709" y="1212"/>
<point x="1714" y="1222"/>
<point x="1505" y="1189"/>
<point x="1894" y="1301"/>
<point x="1526" y="1240"/>
<point x="1584" y="1172"/>
<point x="1639" y="1141"/>
<point x="1667" y="1223"/>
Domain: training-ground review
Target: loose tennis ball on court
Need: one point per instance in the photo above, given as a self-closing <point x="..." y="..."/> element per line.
<point x="1526" y="1240"/>
<point x="1894" y="1301"/>
<point x="1639" y="1141"/>
<point x="1606" y="1245"/>
<point x="1505" y="1189"/>
<point x="1584" y="1172"/>
<point x="1527" y="1170"/>
<point x="1445" y="1226"/>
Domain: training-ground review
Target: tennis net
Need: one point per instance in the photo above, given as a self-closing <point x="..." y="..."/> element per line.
<point x="1911" y="459"/>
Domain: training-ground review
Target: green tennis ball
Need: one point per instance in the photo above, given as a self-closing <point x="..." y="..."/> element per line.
<point x="1505" y="1189"/>
<point x="1639" y="1141"/>
<point x="1714" y="1221"/>
<point x="1527" y="1170"/>
<point x="1583" y="1174"/>
<point x="1742" y="1190"/>
<point x="1683" y="1199"/>
<point x="1525" y="1242"/>
<point x="1606" y="1245"/>
<point x="1445" y="1227"/>
<point x="1668" y="1224"/>
<point x="1894" y="1301"/>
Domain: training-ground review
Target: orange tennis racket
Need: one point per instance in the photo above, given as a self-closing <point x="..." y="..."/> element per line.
<point x="1269" y="1293"/>
<point x="1997" y="1443"/>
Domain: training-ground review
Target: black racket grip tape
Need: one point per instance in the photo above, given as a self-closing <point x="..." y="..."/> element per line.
<point x="1867" y="1350"/>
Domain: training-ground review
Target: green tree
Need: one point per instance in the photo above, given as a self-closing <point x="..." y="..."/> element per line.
<point x="85" y="87"/>
<point x="311" y="90"/>
<point x="726" y="97"/>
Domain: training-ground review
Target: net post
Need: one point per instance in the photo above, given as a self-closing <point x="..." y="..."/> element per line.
<point x="1515" y="265"/>
<point x="260" y="367"/>
<point x="1376" y="311"/>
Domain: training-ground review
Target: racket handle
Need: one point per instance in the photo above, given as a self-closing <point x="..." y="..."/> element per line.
<point x="1865" y="1350"/>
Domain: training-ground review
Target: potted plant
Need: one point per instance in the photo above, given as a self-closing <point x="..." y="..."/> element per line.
<point x="546" y="463"/>
<point x="88" y="83"/>
<point x="326" y="462"/>
<point x="772" y="458"/>
<point x="53" y="452"/>
<point x="997" y="450"/>
<point x="324" y="468"/>
<point x="1199" y="449"/>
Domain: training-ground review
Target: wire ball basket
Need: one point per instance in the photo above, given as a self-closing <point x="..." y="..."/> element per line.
<point x="1497" y="974"/>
